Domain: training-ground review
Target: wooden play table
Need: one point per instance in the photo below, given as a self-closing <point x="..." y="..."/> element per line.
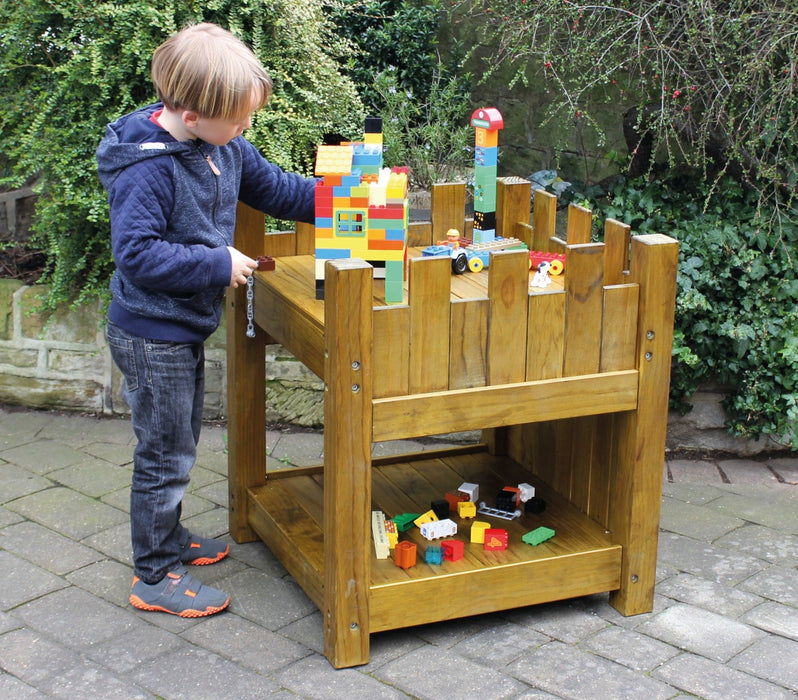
<point x="568" y="384"/>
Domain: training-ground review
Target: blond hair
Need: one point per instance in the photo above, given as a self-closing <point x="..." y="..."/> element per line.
<point x="205" y="69"/>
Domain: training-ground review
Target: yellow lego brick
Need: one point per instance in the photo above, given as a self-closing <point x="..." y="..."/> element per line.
<point x="333" y="160"/>
<point x="373" y="139"/>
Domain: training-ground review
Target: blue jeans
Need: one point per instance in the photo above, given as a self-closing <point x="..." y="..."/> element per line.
<point x="165" y="389"/>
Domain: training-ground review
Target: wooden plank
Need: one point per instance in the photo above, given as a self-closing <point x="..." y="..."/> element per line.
<point x="448" y="208"/>
<point x="390" y="357"/>
<point x="584" y="281"/>
<point x="292" y="536"/>
<point x="502" y="405"/>
<point x="616" y="251"/>
<point x="347" y="461"/>
<point x="508" y="285"/>
<point x="428" y="293"/>
<point x="544" y="219"/>
<point x="288" y="321"/>
<point x="545" y="340"/>
<point x="580" y="222"/>
<point x="602" y="470"/>
<point x="419" y="234"/>
<point x="635" y="498"/>
<point x="246" y="380"/>
<point x="512" y="204"/>
<point x="467" y="352"/>
<point x="619" y="327"/>
<point x="305" y="239"/>
<point x="280" y="243"/>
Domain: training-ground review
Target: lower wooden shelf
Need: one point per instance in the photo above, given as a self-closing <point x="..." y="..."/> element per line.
<point x="581" y="559"/>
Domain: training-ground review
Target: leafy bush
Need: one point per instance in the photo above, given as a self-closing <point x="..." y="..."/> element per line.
<point x="68" y="68"/>
<point x="401" y="76"/>
<point x="737" y="297"/>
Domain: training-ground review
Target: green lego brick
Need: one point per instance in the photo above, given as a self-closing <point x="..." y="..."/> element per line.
<point x="538" y="535"/>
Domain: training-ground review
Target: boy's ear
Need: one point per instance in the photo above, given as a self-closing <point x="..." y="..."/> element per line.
<point x="189" y="118"/>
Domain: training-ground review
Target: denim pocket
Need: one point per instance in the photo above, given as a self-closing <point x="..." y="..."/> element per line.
<point x="124" y="355"/>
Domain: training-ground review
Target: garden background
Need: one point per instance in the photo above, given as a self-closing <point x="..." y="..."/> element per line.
<point x="678" y="117"/>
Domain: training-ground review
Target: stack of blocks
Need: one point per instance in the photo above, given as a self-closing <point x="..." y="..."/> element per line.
<point x="487" y="122"/>
<point x="362" y="210"/>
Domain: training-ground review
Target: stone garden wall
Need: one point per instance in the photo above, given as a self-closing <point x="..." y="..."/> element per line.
<point x="60" y="360"/>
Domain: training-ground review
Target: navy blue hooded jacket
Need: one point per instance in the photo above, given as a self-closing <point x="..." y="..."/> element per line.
<point x="173" y="207"/>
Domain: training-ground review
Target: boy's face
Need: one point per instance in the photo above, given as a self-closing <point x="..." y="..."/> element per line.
<point x="218" y="132"/>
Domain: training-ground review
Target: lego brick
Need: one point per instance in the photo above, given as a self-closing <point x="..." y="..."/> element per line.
<point x="478" y="528"/>
<point x="495" y="539"/>
<point x="333" y="160"/>
<point x="324" y="222"/>
<point x="405" y="521"/>
<point x="434" y="554"/>
<point x="483" y="137"/>
<point x="332" y="253"/>
<point x="471" y="491"/>
<point x="373" y="125"/>
<point x="380" y="536"/>
<point x="453" y="549"/>
<point x="404" y="554"/>
<point x="486" y="156"/>
<point x="538" y="535"/>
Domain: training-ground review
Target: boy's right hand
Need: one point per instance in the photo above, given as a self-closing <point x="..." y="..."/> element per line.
<point x="243" y="267"/>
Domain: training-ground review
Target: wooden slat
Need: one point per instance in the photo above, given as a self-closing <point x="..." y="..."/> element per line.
<point x="619" y="327"/>
<point x="544" y="219"/>
<point x="602" y="470"/>
<point x="580" y="221"/>
<point x="305" y="239"/>
<point x="291" y="534"/>
<point x="545" y="335"/>
<point x="584" y="279"/>
<point x="635" y="498"/>
<point x="391" y="340"/>
<point x="448" y="208"/>
<point x="512" y="204"/>
<point x="428" y="293"/>
<point x="467" y="353"/>
<point x="616" y="251"/>
<point x="347" y="461"/>
<point x="508" y="286"/>
<point x="246" y="379"/>
<point x="280" y="243"/>
<point x="419" y="234"/>
<point x="493" y="406"/>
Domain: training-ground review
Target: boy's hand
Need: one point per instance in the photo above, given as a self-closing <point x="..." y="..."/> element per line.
<point x="243" y="267"/>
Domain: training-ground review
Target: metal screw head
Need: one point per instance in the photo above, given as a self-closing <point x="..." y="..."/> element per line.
<point x="355" y="365"/>
<point x="649" y="356"/>
<point x="650" y="335"/>
<point x="355" y="388"/>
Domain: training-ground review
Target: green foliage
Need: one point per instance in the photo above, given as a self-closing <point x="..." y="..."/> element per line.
<point x="711" y="83"/>
<point x="737" y="297"/>
<point x="67" y="69"/>
<point x="401" y="77"/>
<point x="433" y="137"/>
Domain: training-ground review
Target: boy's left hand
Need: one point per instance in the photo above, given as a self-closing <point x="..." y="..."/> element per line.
<point x="242" y="267"/>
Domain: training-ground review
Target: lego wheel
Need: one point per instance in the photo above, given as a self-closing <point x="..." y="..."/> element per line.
<point x="459" y="263"/>
<point x="556" y="267"/>
<point x="475" y="264"/>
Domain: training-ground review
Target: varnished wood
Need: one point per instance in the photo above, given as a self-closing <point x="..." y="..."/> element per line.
<point x="347" y="455"/>
<point x="568" y="384"/>
<point x="512" y="204"/>
<point x="448" y="208"/>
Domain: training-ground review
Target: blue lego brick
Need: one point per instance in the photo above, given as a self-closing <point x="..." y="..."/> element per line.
<point x="352" y="180"/>
<point x="342" y="191"/>
<point x="486" y="156"/>
<point x="395" y="234"/>
<point x="333" y="253"/>
<point x="324" y="222"/>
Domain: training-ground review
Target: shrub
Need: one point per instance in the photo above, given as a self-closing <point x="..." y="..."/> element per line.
<point x="68" y="68"/>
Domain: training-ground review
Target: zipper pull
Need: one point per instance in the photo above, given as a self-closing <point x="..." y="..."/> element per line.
<point x="212" y="165"/>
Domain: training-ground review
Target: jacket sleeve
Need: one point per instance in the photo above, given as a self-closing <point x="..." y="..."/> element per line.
<point x="268" y="188"/>
<point x="141" y="200"/>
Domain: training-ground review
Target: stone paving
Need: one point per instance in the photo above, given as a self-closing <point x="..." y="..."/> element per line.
<point x="724" y="624"/>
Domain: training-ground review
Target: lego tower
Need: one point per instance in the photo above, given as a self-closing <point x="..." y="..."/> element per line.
<point x="361" y="210"/>
<point x="487" y="122"/>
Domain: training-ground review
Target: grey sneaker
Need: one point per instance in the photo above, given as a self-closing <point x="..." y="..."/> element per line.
<point x="178" y="593"/>
<point x="201" y="551"/>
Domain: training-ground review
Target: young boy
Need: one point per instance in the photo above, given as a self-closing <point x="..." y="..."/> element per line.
<point x="174" y="172"/>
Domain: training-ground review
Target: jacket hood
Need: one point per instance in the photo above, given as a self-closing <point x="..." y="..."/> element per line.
<point x="132" y="138"/>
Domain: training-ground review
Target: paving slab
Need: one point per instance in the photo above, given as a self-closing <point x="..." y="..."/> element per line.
<point x="702" y="632"/>
<point x="723" y="623"/>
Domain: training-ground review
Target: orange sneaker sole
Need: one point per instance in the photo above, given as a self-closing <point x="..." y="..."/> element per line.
<point x="137" y="602"/>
